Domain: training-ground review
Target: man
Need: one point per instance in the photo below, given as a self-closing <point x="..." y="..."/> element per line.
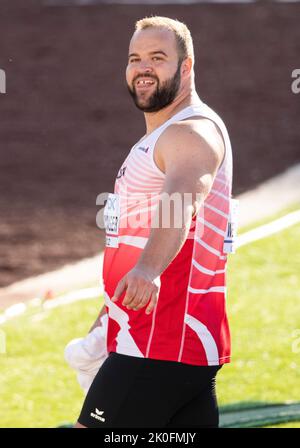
<point x="164" y="285"/>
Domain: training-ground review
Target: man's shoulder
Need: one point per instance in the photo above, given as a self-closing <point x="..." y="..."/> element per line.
<point x="201" y="128"/>
<point x="192" y="132"/>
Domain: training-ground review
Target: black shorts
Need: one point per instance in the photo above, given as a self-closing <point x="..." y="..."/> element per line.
<point x="132" y="392"/>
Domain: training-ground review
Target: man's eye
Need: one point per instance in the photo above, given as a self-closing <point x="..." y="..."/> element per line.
<point x="155" y="58"/>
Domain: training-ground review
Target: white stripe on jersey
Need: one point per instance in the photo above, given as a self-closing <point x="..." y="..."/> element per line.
<point x="124" y="337"/>
<point x="208" y="247"/>
<point x="211" y="226"/>
<point x="217" y="193"/>
<point x="216" y="210"/>
<point x="205" y="291"/>
<point x="205" y="270"/>
<point x="137" y="241"/>
<point x="205" y="337"/>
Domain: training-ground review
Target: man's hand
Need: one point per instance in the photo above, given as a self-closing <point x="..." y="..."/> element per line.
<point x="141" y="290"/>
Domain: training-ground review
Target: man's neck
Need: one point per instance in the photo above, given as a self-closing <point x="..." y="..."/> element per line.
<point x="155" y="119"/>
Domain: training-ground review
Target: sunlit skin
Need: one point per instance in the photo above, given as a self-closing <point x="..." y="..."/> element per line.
<point x="163" y="93"/>
<point x="153" y="54"/>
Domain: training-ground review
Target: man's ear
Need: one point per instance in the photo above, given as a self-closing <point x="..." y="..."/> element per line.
<point x="186" y="67"/>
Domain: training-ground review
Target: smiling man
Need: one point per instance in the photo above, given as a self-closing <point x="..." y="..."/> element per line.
<point x="164" y="285"/>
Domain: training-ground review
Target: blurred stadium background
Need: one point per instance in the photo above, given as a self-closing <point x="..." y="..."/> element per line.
<point x="66" y="124"/>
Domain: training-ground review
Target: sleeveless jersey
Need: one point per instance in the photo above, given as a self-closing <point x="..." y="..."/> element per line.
<point x="189" y="322"/>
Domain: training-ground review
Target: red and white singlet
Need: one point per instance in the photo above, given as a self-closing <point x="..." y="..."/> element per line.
<point x="189" y="323"/>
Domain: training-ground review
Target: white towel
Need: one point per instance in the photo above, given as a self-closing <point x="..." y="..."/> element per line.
<point x="86" y="355"/>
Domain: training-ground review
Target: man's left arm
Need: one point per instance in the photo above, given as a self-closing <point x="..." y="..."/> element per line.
<point x="190" y="159"/>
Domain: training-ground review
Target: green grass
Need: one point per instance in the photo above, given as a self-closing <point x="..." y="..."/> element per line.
<point x="264" y="309"/>
<point x="286" y="425"/>
<point x="37" y="388"/>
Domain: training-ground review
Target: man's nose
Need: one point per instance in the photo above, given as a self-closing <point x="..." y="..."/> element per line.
<point x="145" y="67"/>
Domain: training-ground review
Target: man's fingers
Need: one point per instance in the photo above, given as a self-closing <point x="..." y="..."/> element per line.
<point x="141" y="301"/>
<point x="139" y="290"/>
<point x="119" y="289"/>
<point x="130" y="294"/>
<point x="152" y="303"/>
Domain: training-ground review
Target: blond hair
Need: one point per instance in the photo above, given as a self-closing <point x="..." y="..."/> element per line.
<point x="182" y="33"/>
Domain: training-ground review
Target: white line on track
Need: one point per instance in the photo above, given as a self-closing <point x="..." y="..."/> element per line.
<point x="269" y="229"/>
<point x="256" y="234"/>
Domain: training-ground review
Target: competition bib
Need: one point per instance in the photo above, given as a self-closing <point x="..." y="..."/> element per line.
<point x="232" y="225"/>
<point x="112" y="219"/>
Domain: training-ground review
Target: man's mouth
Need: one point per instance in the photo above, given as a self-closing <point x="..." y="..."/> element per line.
<point x="144" y="83"/>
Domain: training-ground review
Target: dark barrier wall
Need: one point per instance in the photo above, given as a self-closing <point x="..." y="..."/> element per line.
<point x="67" y="120"/>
